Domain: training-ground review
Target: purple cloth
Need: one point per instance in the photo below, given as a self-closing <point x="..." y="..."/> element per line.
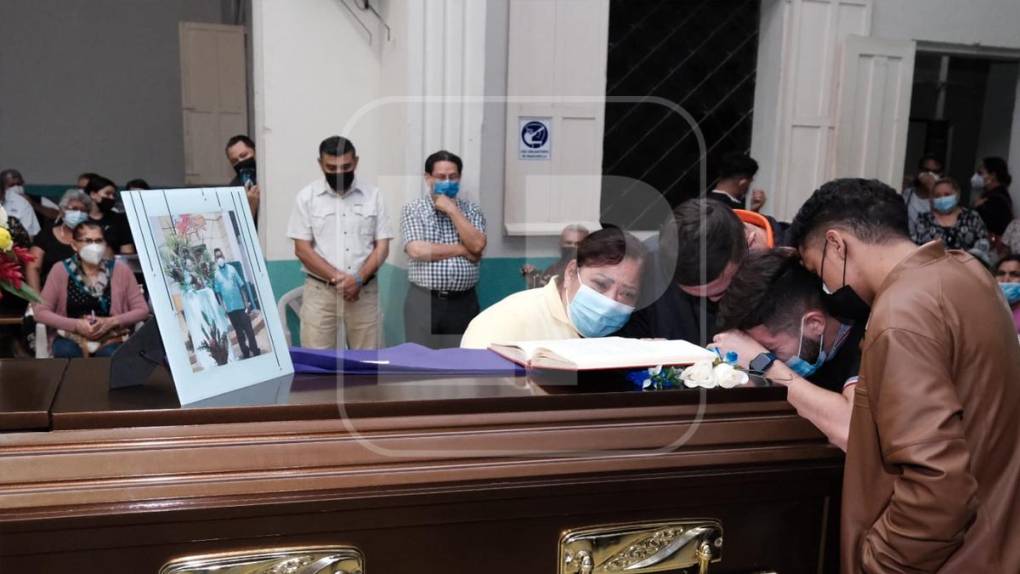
<point x="408" y="358"/>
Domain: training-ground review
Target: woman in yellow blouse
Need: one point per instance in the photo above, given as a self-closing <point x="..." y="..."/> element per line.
<point x="593" y="296"/>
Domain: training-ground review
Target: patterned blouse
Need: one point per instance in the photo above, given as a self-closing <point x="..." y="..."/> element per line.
<point x="968" y="230"/>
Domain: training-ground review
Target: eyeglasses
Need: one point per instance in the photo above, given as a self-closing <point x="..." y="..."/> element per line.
<point x="92" y="241"/>
<point x="1007" y="274"/>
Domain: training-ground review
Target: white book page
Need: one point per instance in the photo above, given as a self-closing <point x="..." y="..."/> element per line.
<point x="618" y="350"/>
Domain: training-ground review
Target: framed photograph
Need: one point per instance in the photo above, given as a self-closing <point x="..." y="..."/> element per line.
<point x="209" y="289"/>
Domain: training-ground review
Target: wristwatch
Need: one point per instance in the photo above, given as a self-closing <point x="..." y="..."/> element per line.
<point x="762" y="362"/>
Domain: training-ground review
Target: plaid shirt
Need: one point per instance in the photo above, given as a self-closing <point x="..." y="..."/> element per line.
<point x="419" y="221"/>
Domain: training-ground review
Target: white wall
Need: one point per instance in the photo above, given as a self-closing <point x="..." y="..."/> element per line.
<point x="765" y="127"/>
<point x="942" y="25"/>
<point x="314" y="70"/>
<point x="994" y="23"/>
<point x="94" y="86"/>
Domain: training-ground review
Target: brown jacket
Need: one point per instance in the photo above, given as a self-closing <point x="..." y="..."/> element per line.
<point x="933" y="458"/>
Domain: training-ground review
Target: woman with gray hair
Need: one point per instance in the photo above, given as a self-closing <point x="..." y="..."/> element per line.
<point x="53" y="244"/>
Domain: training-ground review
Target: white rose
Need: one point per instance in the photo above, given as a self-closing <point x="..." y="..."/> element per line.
<point x="727" y="377"/>
<point x="699" y="375"/>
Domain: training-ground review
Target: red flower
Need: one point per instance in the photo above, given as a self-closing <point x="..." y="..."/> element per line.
<point x="24" y="255"/>
<point x="11" y="271"/>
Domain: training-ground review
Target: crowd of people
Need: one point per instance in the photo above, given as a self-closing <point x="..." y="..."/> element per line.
<point x="912" y="296"/>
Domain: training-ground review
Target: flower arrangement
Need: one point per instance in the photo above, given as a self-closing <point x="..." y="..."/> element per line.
<point x="12" y="264"/>
<point x="182" y="259"/>
<point x="721" y="372"/>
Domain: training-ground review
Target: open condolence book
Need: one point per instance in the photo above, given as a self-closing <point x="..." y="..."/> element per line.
<point x="603" y="353"/>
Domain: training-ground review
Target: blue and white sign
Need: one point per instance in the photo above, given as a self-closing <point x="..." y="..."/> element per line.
<point x="535" y="139"/>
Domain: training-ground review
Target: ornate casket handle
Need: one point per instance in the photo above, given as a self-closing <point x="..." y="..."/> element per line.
<point x="642" y="547"/>
<point x="306" y="560"/>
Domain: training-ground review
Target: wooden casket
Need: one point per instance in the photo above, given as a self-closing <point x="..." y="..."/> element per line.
<point x="394" y="475"/>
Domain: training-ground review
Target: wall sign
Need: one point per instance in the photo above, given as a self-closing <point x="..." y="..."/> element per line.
<point x="535" y="139"/>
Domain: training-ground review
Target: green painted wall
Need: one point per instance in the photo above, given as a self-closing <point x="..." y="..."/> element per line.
<point x="500" y="276"/>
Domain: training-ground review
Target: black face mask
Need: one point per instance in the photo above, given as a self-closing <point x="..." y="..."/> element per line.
<point x="107" y="204"/>
<point x="844" y="303"/>
<point x="568" y="253"/>
<point x="340" y="181"/>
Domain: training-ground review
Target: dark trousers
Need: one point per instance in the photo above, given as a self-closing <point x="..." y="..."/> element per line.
<point x="438" y="319"/>
<point x="244" y="332"/>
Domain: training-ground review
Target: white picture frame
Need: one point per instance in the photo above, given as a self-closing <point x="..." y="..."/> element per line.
<point x="195" y="298"/>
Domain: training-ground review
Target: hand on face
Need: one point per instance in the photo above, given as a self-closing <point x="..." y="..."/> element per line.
<point x="740" y="343"/>
<point x="758" y="199"/>
<point x="444" y="204"/>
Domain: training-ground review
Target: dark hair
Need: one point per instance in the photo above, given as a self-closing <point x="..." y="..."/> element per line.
<point x="930" y="157"/>
<point x="737" y="165"/>
<point x="88" y="175"/>
<point x="97" y="183"/>
<point x="771" y="288"/>
<point x="951" y="182"/>
<point x="12" y="173"/>
<point x="217" y="249"/>
<point x="137" y="184"/>
<point x="87" y="224"/>
<point x="240" y="138"/>
<point x="702" y="223"/>
<point x="443" y="155"/>
<point x="338" y="146"/>
<point x="872" y="210"/>
<point x="607" y="247"/>
<point x="1012" y="257"/>
<point x="997" y="166"/>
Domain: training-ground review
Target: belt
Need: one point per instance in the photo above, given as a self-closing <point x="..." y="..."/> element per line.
<point x="440" y="294"/>
<point x="324" y="282"/>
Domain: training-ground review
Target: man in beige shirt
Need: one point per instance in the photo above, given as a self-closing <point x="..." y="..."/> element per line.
<point x="342" y="237"/>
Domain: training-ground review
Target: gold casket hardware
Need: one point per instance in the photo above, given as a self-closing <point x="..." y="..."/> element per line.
<point x="306" y="560"/>
<point x="642" y="547"/>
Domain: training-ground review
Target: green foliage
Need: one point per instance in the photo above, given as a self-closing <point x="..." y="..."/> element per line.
<point x="180" y="255"/>
<point x="216" y="342"/>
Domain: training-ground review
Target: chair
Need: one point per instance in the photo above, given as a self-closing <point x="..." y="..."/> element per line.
<point x="291" y="300"/>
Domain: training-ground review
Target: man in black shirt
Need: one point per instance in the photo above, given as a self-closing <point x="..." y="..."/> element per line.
<point x="240" y="152"/>
<point x="699" y="250"/>
<point x="774" y="318"/>
<point x="736" y="174"/>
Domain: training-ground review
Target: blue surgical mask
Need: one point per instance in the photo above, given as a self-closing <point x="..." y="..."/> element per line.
<point x="448" y="187"/>
<point x="1011" y="291"/>
<point x="595" y="315"/>
<point x="799" y="365"/>
<point x="945" y="204"/>
<point x="73" y="218"/>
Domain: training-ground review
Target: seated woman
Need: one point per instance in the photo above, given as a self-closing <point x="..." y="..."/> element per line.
<point x="957" y="227"/>
<point x="54" y="243"/>
<point x="90" y="302"/>
<point x="1007" y="273"/>
<point x="593" y="296"/>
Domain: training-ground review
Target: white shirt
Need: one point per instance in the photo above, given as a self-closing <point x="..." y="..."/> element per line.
<point x="17" y="206"/>
<point x="343" y="229"/>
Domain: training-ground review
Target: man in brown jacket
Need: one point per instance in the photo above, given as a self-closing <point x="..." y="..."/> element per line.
<point x="933" y="457"/>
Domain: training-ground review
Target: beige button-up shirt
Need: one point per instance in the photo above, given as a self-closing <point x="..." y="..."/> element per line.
<point x="343" y="229"/>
